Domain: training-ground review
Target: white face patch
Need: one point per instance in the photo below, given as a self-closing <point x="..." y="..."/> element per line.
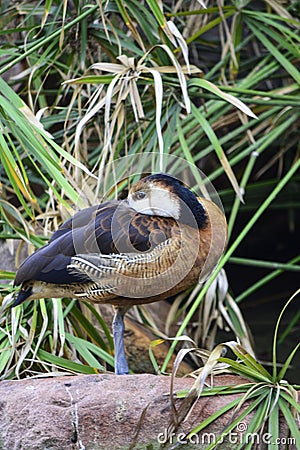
<point x="156" y="202"/>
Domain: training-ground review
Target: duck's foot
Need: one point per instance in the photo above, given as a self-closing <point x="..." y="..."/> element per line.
<point x="121" y="365"/>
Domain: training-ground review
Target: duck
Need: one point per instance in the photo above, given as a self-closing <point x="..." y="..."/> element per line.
<point x="159" y="241"/>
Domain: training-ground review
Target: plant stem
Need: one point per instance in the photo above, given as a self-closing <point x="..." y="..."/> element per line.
<point x="244" y="181"/>
<point x="264" y="280"/>
<point x="265" y="264"/>
<point x="274" y="364"/>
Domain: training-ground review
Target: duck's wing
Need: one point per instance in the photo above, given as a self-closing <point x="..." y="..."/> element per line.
<point x="109" y="228"/>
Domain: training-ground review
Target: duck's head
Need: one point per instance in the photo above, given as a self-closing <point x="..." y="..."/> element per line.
<point x="164" y="195"/>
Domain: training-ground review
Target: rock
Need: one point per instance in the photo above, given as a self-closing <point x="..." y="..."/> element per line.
<point x="101" y="412"/>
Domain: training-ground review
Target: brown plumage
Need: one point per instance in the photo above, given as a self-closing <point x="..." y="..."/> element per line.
<point x="153" y="245"/>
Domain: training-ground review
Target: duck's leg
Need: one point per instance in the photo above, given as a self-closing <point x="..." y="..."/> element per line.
<point x="121" y="365"/>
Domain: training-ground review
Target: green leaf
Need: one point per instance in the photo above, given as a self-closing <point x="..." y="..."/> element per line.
<point x="243" y="370"/>
<point x="287" y="363"/>
<point x="290" y="420"/>
<point x="86" y="349"/>
<point x="102" y="323"/>
<point x="65" y="363"/>
<point x="273" y="427"/>
<point x="290" y="400"/>
<point x="94" y="79"/>
<point x="156" y="9"/>
<point x="219" y="151"/>
<point x="88" y="327"/>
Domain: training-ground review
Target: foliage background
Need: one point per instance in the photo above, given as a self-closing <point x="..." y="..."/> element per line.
<point x="57" y="134"/>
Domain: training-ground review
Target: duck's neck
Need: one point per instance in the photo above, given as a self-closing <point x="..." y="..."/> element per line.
<point x="192" y="211"/>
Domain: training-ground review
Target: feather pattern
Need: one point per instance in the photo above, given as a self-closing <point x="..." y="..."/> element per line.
<point x="115" y="253"/>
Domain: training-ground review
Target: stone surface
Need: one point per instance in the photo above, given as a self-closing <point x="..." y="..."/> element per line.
<point x="101" y="412"/>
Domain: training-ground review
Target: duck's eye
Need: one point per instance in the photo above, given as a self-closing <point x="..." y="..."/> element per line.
<point x="140" y="195"/>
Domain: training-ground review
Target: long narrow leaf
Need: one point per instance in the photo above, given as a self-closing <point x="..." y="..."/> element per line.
<point x="219" y="151"/>
<point x="291" y="422"/>
<point x="205" y="84"/>
<point x="64" y="363"/>
<point x="281" y="58"/>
